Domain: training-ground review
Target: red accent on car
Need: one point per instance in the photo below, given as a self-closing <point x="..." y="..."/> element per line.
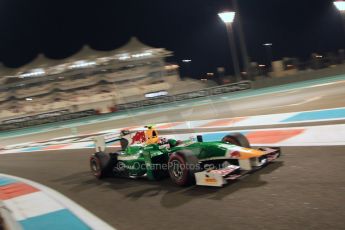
<point x="139" y="137"/>
<point x="236" y="154"/>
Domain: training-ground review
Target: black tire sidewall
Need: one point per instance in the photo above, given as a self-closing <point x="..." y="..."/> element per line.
<point x="105" y="163"/>
<point x="231" y="140"/>
<point x="237" y="139"/>
<point x="95" y="160"/>
<point x="185" y="178"/>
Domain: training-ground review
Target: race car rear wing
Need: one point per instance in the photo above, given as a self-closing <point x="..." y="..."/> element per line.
<point x="100" y="144"/>
<point x="102" y="141"/>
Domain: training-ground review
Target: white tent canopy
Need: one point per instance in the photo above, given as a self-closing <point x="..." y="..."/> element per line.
<point x="41" y="62"/>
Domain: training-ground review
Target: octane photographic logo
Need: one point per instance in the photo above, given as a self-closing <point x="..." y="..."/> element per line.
<point x="165" y="166"/>
<point x="191" y="167"/>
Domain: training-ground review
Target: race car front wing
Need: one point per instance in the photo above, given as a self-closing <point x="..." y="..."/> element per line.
<point x="220" y="177"/>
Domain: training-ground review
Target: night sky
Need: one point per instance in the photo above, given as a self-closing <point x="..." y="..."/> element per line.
<point x="190" y="28"/>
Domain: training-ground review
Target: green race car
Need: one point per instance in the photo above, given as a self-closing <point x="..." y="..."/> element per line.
<point x="144" y="154"/>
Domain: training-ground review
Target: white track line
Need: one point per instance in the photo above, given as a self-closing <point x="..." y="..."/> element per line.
<point x="90" y="219"/>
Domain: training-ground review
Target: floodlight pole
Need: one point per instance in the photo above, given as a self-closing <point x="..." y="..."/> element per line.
<point x="340" y="5"/>
<point x="228" y="18"/>
<point x="342" y="14"/>
<point x="241" y="36"/>
<point x="229" y="29"/>
<point x="269" y="54"/>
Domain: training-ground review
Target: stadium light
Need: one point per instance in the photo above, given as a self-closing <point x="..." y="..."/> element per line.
<point x="33" y="73"/>
<point x="268" y="46"/>
<point x="82" y="64"/>
<point x="340" y="5"/>
<point x="186" y="60"/>
<point x="227" y="17"/>
<point x="156" y="94"/>
<point x="144" y="54"/>
<point x="124" y="57"/>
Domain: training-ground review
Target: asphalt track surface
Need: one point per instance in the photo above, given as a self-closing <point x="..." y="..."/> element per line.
<point x="323" y="96"/>
<point x="302" y="190"/>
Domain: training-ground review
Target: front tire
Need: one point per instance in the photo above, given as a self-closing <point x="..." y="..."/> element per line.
<point x="237" y="139"/>
<point x="182" y="166"/>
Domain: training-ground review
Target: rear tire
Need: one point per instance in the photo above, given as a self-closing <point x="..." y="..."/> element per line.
<point x="237" y="139"/>
<point x="101" y="165"/>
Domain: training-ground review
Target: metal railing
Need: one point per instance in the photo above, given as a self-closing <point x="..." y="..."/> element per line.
<point x="64" y="115"/>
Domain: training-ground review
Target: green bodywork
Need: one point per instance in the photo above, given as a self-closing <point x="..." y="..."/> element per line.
<point x="140" y="160"/>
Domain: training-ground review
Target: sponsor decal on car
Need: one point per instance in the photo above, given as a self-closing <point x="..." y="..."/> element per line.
<point x="210" y="180"/>
<point x="139" y="137"/>
<point x="128" y="158"/>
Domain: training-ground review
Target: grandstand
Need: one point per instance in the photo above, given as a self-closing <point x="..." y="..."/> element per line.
<point x="89" y="80"/>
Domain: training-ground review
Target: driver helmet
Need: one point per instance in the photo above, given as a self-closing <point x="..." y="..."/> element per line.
<point x="172" y="142"/>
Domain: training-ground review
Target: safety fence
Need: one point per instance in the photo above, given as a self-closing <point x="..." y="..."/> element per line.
<point x="244" y="85"/>
<point x="64" y="115"/>
<point x="45" y="118"/>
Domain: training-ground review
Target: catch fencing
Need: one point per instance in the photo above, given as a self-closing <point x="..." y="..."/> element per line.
<point x="64" y="115"/>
